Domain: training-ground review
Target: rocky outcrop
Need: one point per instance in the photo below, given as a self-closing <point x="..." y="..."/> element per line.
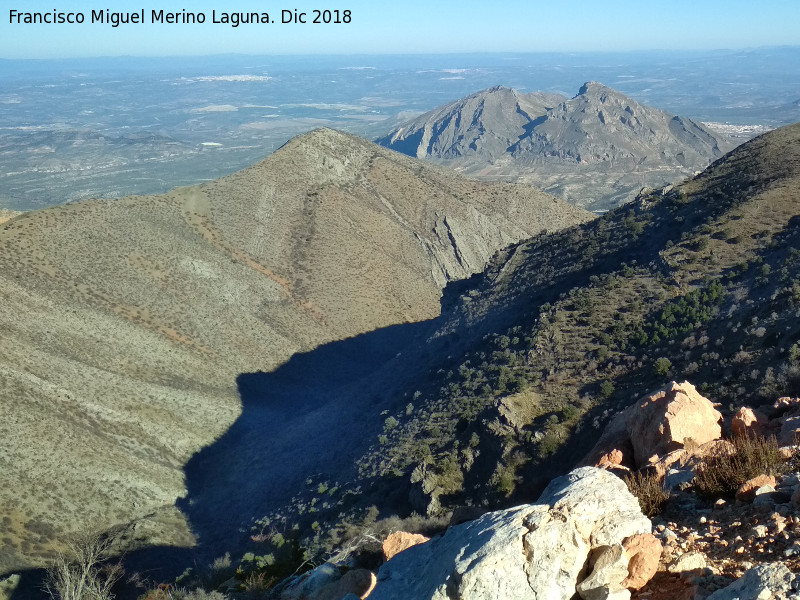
<point x="400" y="541"/>
<point x="536" y="551"/>
<point x="747" y="421"/>
<point x="668" y="419"/>
<point x="747" y="491"/>
<point x="656" y="426"/>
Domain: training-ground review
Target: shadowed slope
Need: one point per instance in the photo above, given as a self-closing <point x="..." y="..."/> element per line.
<point x="125" y="323"/>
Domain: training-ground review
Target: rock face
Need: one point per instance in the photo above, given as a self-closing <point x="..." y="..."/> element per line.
<point x="600" y="135"/>
<point x="668" y="418"/>
<point x="657" y="425"/>
<point x="535" y="552"/>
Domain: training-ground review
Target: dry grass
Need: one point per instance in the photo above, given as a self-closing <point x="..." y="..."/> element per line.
<point x="721" y="475"/>
<point x="84" y="572"/>
<point x="649" y="491"/>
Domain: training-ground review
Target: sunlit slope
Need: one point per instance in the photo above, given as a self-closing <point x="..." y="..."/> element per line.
<point x="124" y="324"/>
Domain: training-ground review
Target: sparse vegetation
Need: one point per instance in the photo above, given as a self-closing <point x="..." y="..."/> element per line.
<point x="84" y="572"/>
<point x="719" y="476"/>
<point x="649" y="490"/>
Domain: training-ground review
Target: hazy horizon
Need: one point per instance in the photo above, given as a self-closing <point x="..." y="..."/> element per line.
<point x="412" y="27"/>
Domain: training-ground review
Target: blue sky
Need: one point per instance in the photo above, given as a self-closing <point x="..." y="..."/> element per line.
<point x="415" y="26"/>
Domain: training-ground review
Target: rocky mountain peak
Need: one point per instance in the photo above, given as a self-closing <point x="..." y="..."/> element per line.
<point x="500" y="133"/>
<point x="594" y="87"/>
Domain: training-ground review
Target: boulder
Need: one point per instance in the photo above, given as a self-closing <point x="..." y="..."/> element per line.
<point x="692" y="561"/>
<point x="399" y="541"/>
<point x="536" y="551"/>
<point x="747" y="491"/>
<point x="644" y="551"/>
<point x="667" y="419"/>
<point x="748" y="421"/>
<point x="656" y="427"/>
<point x="714" y="448"/>
<point x="790" y="430"/>
<point x="327" y="582"/>
<point x="308" y="584"/>
<point x="613" y="458"/>
<point x="424" y="493"/>
<point x="769" y="581"/>
<point x="609" y="569"/>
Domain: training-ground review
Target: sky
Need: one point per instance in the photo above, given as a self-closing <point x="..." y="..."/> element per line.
<point x="414" y="26"/>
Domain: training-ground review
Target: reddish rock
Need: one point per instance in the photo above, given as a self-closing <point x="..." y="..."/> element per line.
<point x="613" y="444"/>
<point x="399" y="541"/>
<point x="669" y="419"/>
<point x="747" y="491"/>
<point x="644" y="550"/>
<point x="613" y="458"/>
<point x="747" y="421"/>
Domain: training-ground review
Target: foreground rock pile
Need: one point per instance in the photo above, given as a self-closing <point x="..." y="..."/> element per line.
<point x="742" y="547"/>
<point x="587" y="535"/>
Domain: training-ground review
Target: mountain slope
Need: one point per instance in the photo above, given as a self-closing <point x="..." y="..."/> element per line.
<point x="597" y="149"/>
<point x="530" y="359"/>
<point x="125" y="324"/>
<point x="562" y="329"/>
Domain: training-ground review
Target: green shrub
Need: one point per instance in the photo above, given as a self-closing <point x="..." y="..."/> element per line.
<point x="549" y="444"/>
<point x="662" y="366"/>
<point x="720" y="476"/>
<point x="606" y="389"/>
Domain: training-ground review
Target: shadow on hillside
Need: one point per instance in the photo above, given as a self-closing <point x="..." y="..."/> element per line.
<point x="313" y="415"/>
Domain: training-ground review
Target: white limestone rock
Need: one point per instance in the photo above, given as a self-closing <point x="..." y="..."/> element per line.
<point x="531" y="552"/>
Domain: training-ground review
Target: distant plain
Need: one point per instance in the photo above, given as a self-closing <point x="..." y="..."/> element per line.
<point x="77" y="129"/>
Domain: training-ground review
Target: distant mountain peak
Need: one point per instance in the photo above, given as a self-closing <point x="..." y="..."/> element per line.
<point x="500" y="133"/>
<point x="592" y="87"/>
<point x="497" y="88"/>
